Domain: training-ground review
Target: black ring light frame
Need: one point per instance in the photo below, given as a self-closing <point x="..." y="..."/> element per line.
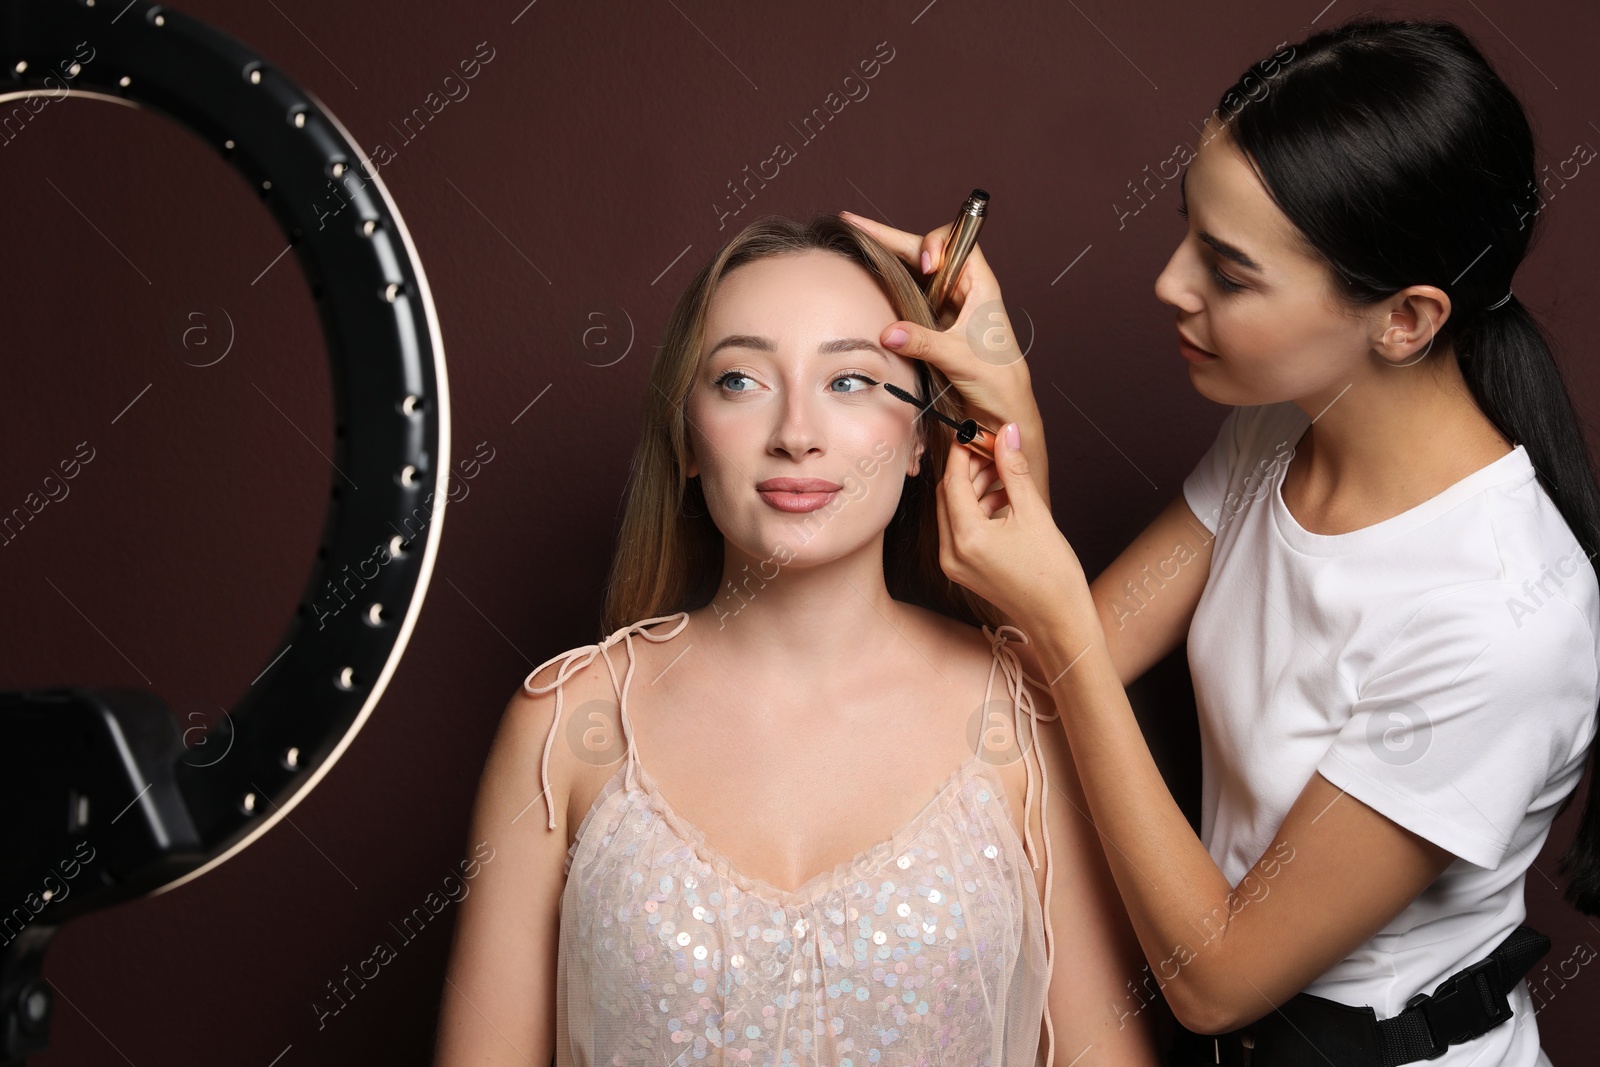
<point x="100" y="800"/>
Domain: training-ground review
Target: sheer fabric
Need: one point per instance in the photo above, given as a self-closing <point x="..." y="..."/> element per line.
<point x="930" y="947"/>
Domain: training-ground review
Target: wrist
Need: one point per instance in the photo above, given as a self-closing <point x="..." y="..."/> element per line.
<point x="1060" y="631"/>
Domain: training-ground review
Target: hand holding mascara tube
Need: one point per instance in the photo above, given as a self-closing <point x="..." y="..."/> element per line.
<point x="982" y="360"/>
<point x="963" y="239"/>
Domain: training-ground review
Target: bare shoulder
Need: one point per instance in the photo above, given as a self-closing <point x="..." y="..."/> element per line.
<point x="956" y="641"/>
<point x="587" y="737"/>
<point x="503" y="961"/>
<point x="1002" y="732"/>
<point x="1013" y="736"/>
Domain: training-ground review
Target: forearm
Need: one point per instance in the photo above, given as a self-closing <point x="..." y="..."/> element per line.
<point x="1172" y="889"/>
<point x="1031" y="424"/>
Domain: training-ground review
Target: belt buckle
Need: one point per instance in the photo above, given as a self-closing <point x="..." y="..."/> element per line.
<point x="1452" y="1011"/>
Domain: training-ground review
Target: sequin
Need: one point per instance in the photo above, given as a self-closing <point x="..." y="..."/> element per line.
<point x="948" y="961"/>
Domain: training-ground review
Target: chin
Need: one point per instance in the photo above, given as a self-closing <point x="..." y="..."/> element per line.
<point x="1229" y="393"/>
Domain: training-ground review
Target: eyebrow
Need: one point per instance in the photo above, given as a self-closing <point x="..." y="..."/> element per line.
<point x="1221" y="247"/>
<point x="826" y="348"/>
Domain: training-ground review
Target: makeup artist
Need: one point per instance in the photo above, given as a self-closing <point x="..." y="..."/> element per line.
<point x="1382" y="569"/>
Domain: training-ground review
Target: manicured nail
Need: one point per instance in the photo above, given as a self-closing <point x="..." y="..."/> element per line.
<point x="896" y="338"/>
<point x="927" y="261"/>
<point x="1013" y="435"/>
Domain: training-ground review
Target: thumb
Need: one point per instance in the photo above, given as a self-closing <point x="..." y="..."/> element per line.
<point x="1012" y="463"/>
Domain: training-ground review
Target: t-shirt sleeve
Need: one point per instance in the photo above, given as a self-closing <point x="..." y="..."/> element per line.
<point x="1468" y="716"/>
<point x="1207" y="485"/>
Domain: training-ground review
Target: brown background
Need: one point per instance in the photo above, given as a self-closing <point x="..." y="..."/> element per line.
<point x="559" y="208"/>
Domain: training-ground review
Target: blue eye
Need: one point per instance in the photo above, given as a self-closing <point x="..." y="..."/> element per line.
<point x="731" y="373"/>
<point x="858" y="376"/>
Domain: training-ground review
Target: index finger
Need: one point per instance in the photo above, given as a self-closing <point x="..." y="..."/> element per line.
<point x="908" y="246"/>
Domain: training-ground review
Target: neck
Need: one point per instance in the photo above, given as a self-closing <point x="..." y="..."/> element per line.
<point x="1391" y="434"/>
<point x="781" y="617"/>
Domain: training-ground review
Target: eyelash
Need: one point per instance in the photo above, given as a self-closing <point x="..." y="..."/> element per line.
<point x="1222" y="280"/>
<point x="735" y="372"/>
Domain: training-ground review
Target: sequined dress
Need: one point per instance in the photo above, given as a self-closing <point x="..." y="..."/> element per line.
<point x="928" y="948"/>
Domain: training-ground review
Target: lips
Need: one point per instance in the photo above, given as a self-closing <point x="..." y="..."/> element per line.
<point x="797" y="485"/>
<point x="1184" y="341"/>
<point x="797" y="494"/>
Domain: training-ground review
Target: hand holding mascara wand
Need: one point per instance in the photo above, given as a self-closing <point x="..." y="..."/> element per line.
<point x="963" y="238"/>
<point x="968" y="432"/>
<point x="980" y="357"/>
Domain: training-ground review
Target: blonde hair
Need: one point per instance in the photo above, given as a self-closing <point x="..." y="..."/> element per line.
<point x="669" y="553"/>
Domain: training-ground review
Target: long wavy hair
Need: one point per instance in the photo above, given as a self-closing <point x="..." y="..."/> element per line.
<point x="669" y="553"/>
<point x="1403" y="158"/>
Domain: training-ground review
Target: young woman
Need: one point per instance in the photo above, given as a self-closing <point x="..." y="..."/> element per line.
<point x="1382" y="566"/>
<point x="773" y="817"/>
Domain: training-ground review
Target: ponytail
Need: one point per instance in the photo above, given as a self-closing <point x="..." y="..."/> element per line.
<point x="1507" y="362"/>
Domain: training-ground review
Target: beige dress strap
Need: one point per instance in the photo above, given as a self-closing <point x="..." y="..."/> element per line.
<point x="1022" y="701"/>
<point x="574" y="661"/>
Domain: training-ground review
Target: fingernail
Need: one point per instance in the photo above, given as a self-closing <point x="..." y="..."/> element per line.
<point x="1013" y="435"/>
<point x="896" y="338"/>
<point x="927" y="261"/>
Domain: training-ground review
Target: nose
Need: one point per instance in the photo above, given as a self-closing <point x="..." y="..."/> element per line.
<point x="799" y="430"/>
<point x="1175" y="285"/>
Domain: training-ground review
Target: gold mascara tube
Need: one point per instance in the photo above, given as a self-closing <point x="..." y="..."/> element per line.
<point x="963" y="235"/>
<point x="977" y="437"/>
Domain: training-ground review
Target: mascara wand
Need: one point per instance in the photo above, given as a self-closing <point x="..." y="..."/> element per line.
<point x="977" y="438"/>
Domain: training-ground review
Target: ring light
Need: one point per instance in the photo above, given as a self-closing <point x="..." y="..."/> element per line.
<point x="98" y="803"/>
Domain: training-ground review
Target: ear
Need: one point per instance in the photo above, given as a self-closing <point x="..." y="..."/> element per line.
<point x="918" y="446"/>
<point x="1407" y="323"/>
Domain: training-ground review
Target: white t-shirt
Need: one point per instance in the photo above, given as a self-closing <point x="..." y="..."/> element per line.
<point x="1439" y="666"/>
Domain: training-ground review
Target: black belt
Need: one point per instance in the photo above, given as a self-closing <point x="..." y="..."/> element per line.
<point x="1311" y="1029"/>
